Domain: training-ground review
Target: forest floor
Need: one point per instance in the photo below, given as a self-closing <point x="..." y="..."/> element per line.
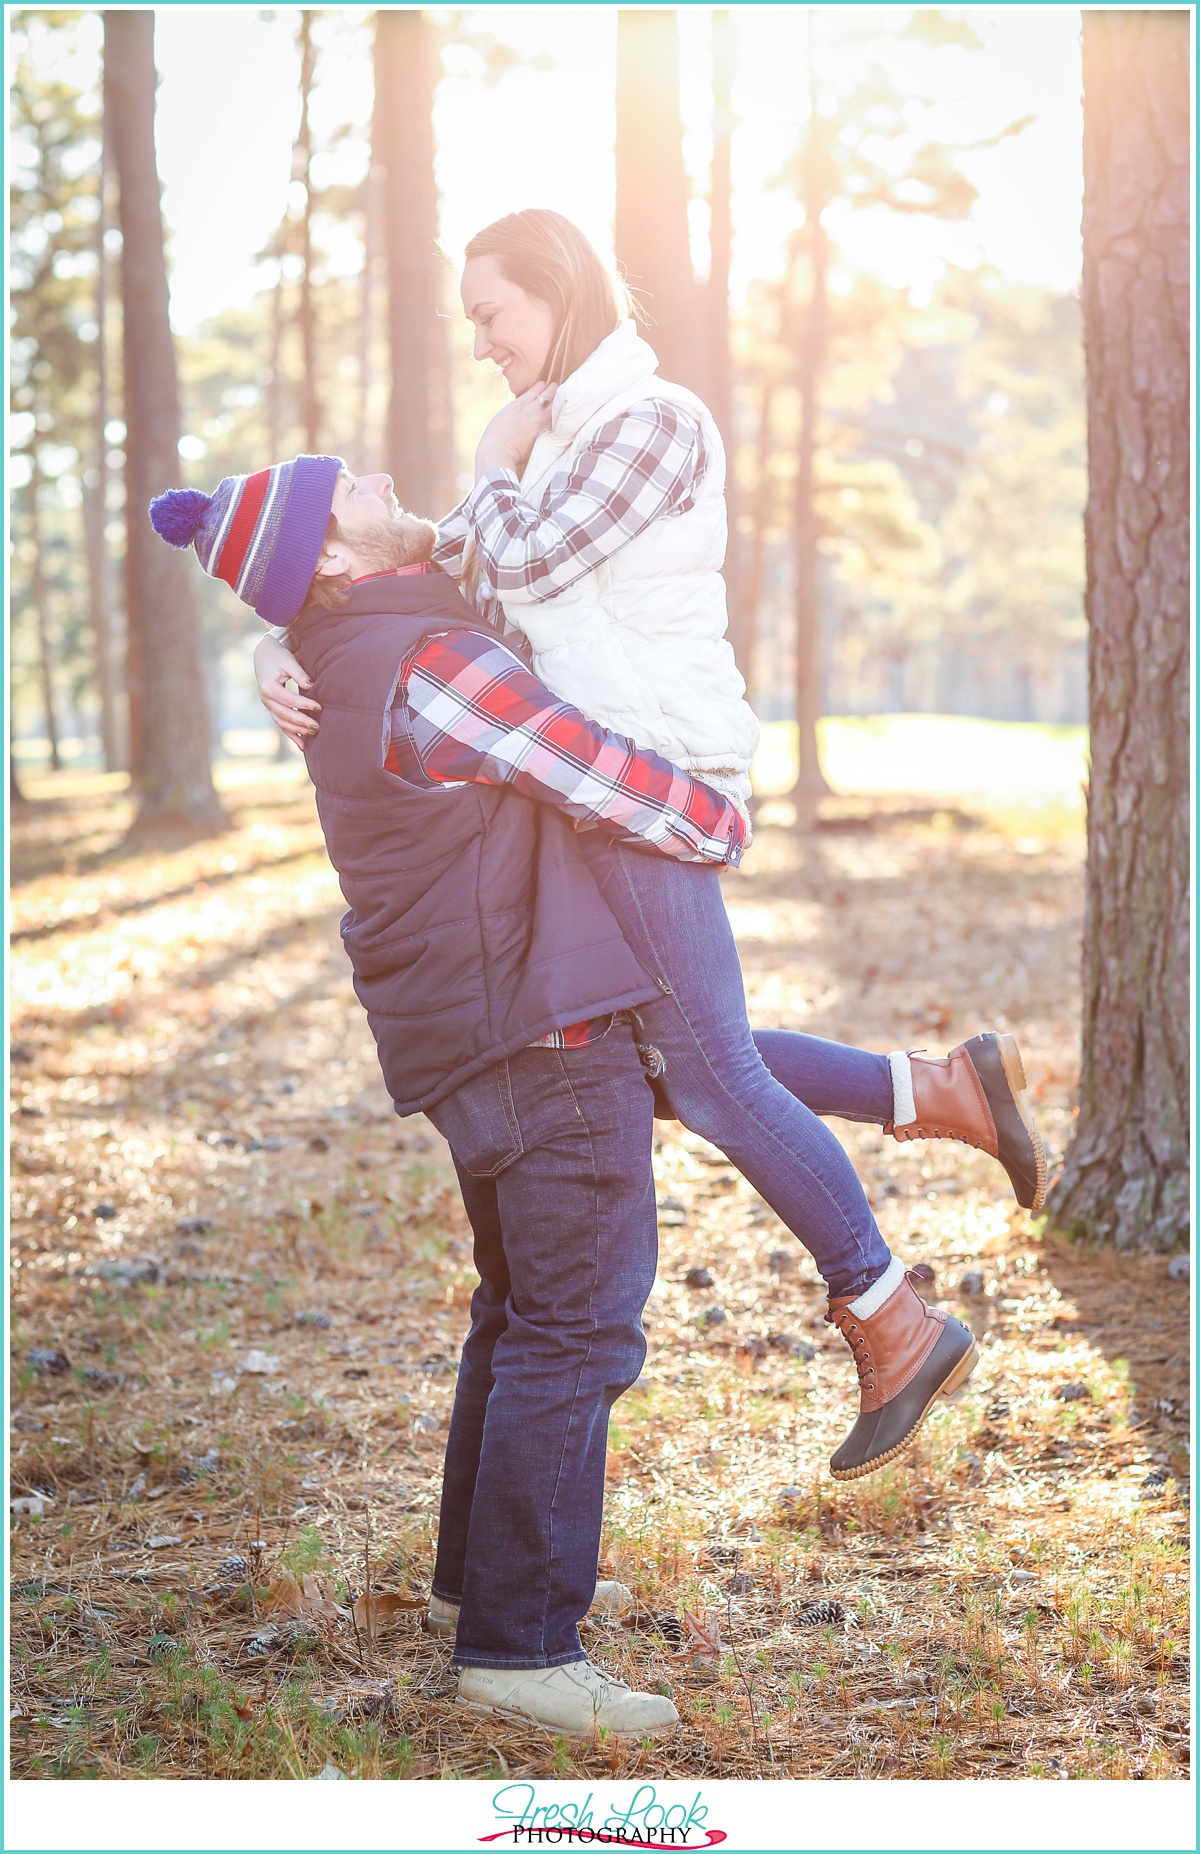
<point x="240" y="1285"/>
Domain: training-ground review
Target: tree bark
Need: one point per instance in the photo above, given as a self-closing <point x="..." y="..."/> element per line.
<point x="275" y="391"/>
<point x="810" y="779"/>
<point x="652" y="241"/>
<point x="754" y="552"/>
<point x="96" y="547"/>
<point x="95" y="499"/>
<point x="41" y="613"/>
<point x="1126" y="1176"/>
<point x="720" y="356"/>
<point x="760" y="504"/>
<point x="719" y="389"/>
<point x="420" y="435"/>
<point x="366" y="318"/>
<point x="169" y="722"/>
<point x="307" y="314"/>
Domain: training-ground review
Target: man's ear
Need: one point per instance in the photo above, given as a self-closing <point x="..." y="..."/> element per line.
<point x="334" y="561"/>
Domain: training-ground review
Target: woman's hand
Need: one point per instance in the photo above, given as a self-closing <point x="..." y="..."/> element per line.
<point x="293" y="714"/>
<point x="508" y="440"/>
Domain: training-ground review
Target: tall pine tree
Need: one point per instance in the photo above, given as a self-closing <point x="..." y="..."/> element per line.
<point x="652" y="193"/>
<point x="419" y="437"/>
<point x="169" y="722"/>
<point x="1126" y="1177"/>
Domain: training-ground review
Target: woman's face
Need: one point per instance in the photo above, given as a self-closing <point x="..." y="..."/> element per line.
<point x="512" y="328"/>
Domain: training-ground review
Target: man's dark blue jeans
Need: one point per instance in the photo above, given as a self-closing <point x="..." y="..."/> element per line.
<point x="552" y="1150"/>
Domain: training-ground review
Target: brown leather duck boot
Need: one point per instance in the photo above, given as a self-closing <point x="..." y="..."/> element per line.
<point x="975" y="1094"/>
<point x="907" y="1355"/>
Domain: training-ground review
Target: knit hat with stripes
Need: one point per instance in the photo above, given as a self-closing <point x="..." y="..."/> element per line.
<point x="261" y="534"/>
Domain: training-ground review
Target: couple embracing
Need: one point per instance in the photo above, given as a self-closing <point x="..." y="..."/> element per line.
<point x="531" y="763"/>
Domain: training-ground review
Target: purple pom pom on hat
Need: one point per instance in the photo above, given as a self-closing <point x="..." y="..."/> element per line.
<point x="178" y="515"/>
<point x="262" y="534"/>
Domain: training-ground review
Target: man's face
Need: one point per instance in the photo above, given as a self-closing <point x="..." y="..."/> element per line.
<point x="374" y="534"/>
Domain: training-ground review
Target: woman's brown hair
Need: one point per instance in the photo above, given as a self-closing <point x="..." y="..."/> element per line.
<point x="549" y="258"/>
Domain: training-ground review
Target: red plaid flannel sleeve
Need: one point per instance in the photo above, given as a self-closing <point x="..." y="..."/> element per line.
<point x="467" y="709"/>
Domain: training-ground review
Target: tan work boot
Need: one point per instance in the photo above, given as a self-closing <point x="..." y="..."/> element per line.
<point x="610" y="1599"/>
<point x="577" y="1699"/>
<point x="907" y="1356"/>
<point x="975" y="1094"/>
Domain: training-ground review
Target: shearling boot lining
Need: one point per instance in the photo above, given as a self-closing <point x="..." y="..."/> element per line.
<point x="871" y="1299"/>
<point x="904" y="1106"/>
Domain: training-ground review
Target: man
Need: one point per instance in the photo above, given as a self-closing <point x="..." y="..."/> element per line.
<point x="500" y="993"/>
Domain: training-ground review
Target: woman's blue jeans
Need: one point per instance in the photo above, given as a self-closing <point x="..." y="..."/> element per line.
<point x="552" y="1150"/>
<point x="755" y="1097"/>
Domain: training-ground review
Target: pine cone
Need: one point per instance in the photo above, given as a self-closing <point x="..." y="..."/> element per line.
<point x="820" y="1615"/>
<point x="659" y="1623"/>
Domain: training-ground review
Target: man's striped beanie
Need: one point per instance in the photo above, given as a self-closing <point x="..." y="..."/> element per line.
<point x="261" y="534"/>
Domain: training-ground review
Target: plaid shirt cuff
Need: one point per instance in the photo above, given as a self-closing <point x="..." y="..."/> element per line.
<point x="467" y="709"/>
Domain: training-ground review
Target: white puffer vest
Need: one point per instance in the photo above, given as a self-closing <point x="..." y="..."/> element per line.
<point x="639" y="643"/>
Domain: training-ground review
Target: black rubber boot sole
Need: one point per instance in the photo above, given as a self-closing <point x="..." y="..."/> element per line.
<point x="997" y="1062"/>
<point x="882" y="1435"/>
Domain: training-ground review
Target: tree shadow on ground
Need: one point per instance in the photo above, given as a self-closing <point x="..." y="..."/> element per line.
<point x="1129" y="1308"/>
<point x="100" y="830"/>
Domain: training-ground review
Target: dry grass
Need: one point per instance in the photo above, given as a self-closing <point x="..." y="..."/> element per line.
<point x="187" y="1047"/>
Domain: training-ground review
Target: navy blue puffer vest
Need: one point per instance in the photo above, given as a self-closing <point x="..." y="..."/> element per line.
<point x="474" y="925"/>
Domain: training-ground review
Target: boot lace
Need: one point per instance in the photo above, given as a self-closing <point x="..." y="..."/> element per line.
<point x="856" y="1338"/>
<point x="928" y="1129"/>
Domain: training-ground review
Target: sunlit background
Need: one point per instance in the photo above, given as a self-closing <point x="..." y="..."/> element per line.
<point x="229" y="109"/>
<point x="950" y="444"/>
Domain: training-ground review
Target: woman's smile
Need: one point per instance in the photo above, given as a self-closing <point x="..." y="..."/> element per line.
<point x="512" y="328"/>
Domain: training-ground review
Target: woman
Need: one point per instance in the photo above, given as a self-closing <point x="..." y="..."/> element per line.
<point x="595" y="531"/>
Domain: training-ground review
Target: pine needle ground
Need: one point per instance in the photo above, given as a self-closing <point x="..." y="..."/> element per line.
<point x="240" y="1285"/>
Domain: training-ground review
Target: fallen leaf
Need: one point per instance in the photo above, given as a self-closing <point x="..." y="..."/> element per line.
<point x="259" y="1364"/>
<point x="283" y="1594"/>
<point x="384" y="1606"/>
<point x="161" y="1540"/>
<point x="317" y="1599"/>
<point x="706" y="1637"/>
<point x="308" y="1597"/>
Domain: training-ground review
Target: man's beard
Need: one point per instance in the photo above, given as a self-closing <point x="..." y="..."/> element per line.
<point x="399" y="541"/>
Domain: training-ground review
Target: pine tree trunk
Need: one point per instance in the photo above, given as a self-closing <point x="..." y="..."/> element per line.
<point x="810" y="779"/>
<point x="96" y="549"/>
<point x="275" y="391"/>
<point x="169" y="722"/>
<point x="302" y="171"/>
<point x="720" y="356"/>
<point x="754" y="552"/>
<point x="652" y="193"/>
<point x="95" y="501"/>
<point x="41" y="614"/>
<point x="420" y="437"/>
<point x="366" y="315"/>
<point x="1126" y="1177"/>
